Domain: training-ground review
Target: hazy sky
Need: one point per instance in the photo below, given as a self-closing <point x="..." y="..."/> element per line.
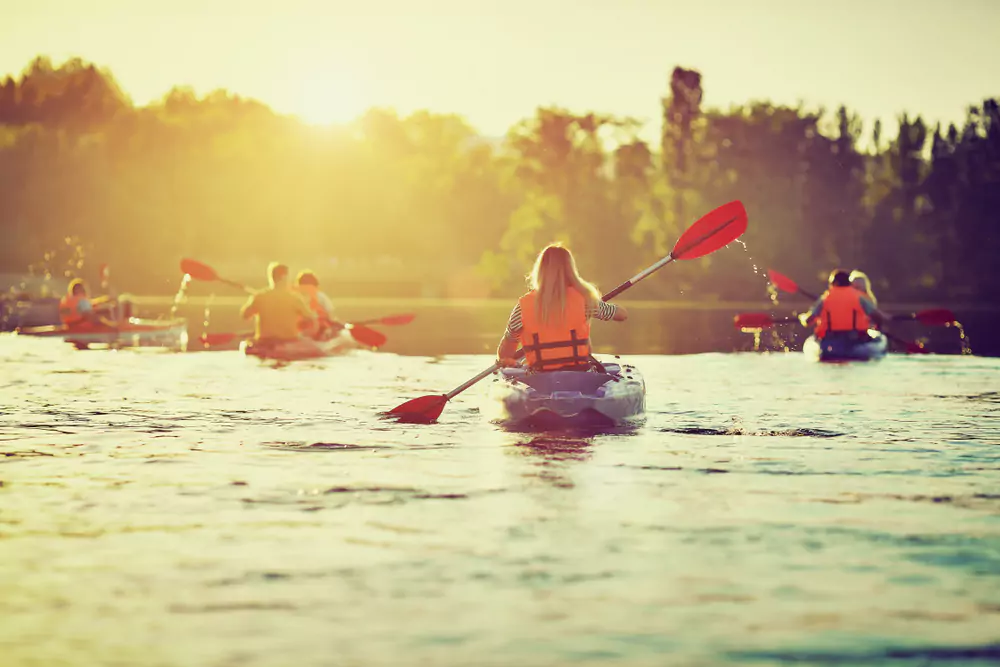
<point x="494" y="61"/>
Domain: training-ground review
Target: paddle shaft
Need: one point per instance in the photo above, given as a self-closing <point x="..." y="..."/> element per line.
<point x="671" y="256"/>
<point x="811" y="297"/>
<point x="637" y="277"/>
<point x="908" y="344"/>
<point x="233" y="283"/>
<point x="607" y="297"/>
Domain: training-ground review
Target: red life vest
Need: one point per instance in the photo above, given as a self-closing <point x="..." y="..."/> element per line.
<point x="69" y="312"/>
<point x="841" y="311"/>
<point x="310" y="293"/>
<point x="556" y="345"/>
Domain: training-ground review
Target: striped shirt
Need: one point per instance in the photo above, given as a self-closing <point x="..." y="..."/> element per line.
<point x="601" y="310"/>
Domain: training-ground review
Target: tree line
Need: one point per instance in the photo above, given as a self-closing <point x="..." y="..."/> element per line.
<point x="87" y="177"/>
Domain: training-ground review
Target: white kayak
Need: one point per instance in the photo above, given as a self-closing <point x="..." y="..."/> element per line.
<point x="519" y="397"/>
<point x="865" y="346"/>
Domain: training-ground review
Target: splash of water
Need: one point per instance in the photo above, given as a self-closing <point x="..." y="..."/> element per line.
<point x="963" y="337"/>
<point x="66" y="262"/>
<point x="776" y="341"/>
<point x="180" y="296"/>
<point x="207" y="314"/>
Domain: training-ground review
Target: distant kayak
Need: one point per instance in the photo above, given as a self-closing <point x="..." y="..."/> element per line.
<point x="133" y="332"/>
<point x="301" y="349"/>
<point x="866" y="347"/>
<point x="560" y="399"/>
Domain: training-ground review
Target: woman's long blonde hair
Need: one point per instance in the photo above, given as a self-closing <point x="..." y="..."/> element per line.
<point x="554" y="271"/>
<point x="865" y="286"/>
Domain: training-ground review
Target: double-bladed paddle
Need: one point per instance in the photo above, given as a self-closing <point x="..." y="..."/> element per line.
<point x="934" y="316"/>
<point x="200" y="271"/>
<point x="715" y="230"/>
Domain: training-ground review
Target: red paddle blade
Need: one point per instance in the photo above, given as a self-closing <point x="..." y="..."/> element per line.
<point x="753" y="321"/>
<point x="197" y="270"/>
<point x="714" y="230"/>
<point x="365" y="336"/>
<point x="782" y="282"/>
<point x="397" y="320"/>
<point x="420" y="410"/>
<point x="936" y="316"/>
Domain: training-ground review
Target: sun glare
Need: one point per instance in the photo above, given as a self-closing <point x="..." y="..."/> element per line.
<point x="326" y="100"/>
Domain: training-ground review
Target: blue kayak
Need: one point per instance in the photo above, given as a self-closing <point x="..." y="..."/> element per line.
<point x="865" y="346"/>
<point x="519" y="397"/>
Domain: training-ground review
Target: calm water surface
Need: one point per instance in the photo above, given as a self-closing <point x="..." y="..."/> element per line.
<point x="206" y="509"/>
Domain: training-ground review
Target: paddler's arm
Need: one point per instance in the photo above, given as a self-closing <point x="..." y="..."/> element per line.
<point x="511" y="339"/>
<point x="810" y="315"/>
<point x="102" y="300"/>
<point x="506" y="351"/>
<point x="85" y="308"/>
<point x="249" y="308"/>
<point x="326" y="304"/>
<point x="873" y="313"/>
<point x="609" y="312"/>
<point x="304" y="310"/>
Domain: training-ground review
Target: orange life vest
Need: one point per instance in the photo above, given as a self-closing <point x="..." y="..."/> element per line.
<point x="553" y="346"/>
<point x="841" y="311"/>
<point x="310" y="293"/>
<point x="69" y="312"/>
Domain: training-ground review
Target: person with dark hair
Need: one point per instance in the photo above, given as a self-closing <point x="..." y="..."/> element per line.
<point x="77" y="309"/>
<point x="307" y="285"/>
<point x="842" y="310"/>
<point x="277" y="309"/>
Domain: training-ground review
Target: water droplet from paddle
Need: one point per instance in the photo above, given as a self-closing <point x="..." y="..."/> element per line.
<point x="966" y="343"/>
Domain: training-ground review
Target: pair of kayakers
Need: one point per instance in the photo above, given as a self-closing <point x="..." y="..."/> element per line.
<point x="285" y="313"/>
<point x="847" y="308"/>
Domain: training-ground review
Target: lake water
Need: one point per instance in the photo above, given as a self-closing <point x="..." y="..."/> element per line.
<point x="208" y="509"/>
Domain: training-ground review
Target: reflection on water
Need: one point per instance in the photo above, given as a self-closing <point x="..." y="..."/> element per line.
<point x="205" y="509"/>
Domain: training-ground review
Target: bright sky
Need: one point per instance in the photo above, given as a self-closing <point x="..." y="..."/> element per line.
<point x="495" y="61"/>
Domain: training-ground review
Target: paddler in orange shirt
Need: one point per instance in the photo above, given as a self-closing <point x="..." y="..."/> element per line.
<point x="277" y="310"/>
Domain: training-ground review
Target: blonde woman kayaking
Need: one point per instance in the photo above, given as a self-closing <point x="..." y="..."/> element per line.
<point x="860" y="282"/>
<point x="552" y="321"/>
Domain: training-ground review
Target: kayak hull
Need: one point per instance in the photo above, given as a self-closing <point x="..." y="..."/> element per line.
<point x="301" y="349"/>
<point x="521" y="398"/>
<point x="133" y="332"/>
<point x="833" y="349"/>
